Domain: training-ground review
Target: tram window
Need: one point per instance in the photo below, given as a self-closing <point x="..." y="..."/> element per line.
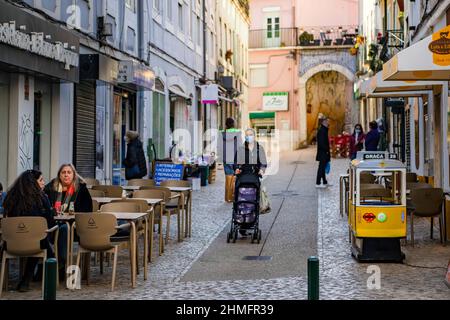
<point x="386" y="188"/>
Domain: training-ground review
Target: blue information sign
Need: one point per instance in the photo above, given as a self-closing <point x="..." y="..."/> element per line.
<point x="168" y="171"/>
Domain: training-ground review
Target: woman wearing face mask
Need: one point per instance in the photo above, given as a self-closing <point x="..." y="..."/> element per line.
<point x="356" y="141"/>
<point x="251" y="157"/>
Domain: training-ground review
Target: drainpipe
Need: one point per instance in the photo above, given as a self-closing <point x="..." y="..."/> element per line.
<point x="204" y="39"/>
<point x="141" y="97"/>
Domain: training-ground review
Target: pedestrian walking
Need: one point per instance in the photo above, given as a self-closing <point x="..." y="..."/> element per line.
<point x="231" y="138"/>
<point x="323" y="152"/>
<point x="356" y="141"/>
<point x="372" y="137"/>
<point x="250" y="158"/>
<point x="27" y="198"/>
<point x="135" y="162"/>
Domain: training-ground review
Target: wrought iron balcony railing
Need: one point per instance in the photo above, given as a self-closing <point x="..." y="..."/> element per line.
<point x="307" y="36"/>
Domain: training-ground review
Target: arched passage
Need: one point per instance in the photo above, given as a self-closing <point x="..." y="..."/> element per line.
<point x="326" y="88"/>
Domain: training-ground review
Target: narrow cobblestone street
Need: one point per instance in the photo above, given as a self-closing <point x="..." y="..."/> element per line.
<point x="303" y="222"/>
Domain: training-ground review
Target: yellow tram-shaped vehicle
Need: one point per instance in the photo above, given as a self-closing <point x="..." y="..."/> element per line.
<point x="377" y="207"/>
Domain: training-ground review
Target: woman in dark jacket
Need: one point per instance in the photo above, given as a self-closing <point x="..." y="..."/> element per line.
<point x="67" y="190"/>
<point x="356" y="141"/>
<point x="135" y="162"/>
<point x="26" y="198"/>
<point x="323" y="152"/>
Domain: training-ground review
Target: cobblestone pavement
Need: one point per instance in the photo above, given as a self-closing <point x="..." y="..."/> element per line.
<point x="341" y="276"/>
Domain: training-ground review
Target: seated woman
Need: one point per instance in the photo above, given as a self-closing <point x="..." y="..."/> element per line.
<point x="26" y="198"/>
<point x="67" y="190"/>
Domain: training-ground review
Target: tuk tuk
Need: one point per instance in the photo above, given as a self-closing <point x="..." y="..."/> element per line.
<point x="377" y="207"/>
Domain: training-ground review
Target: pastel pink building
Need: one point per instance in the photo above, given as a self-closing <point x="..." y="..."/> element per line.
<point x="282" y="63"/>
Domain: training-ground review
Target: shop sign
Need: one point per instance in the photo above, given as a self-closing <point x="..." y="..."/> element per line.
<point x="379" y="156"/>
<point x="276" y="101"/>
<point x="440" y="47"/>
<point x="35" y="43"/>
<point x="136" y="74"/>
<point x="210" y="94"/>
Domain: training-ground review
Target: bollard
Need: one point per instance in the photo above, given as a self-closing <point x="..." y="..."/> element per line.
<point x="313" y="278"/>
<point x="50" y="279"/>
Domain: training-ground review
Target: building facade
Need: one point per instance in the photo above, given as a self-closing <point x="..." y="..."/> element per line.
<point x="297" y="48"/>
<point x="410" y="99"/>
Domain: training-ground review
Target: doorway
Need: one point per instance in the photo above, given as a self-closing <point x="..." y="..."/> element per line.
<point x="272" y="37"/>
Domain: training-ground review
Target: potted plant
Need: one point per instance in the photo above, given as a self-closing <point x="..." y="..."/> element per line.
<point x="305" y="39"/>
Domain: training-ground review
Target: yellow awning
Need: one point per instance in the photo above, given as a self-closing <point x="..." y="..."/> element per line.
<point x="428" y="59"/>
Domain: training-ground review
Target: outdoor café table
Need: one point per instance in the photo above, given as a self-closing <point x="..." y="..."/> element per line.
<point x="187" y="225"/>
<point x="132" y="218"/>
<point x="131" y="188"/>
<point x="153" y="202"/>
<point x="103" y="200"/>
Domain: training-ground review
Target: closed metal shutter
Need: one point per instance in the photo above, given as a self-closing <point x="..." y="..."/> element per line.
<point x="85" y="117"/>
<point x="408" y="138"/>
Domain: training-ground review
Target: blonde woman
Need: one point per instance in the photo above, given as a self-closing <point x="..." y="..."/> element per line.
<point x="67" y="189"/>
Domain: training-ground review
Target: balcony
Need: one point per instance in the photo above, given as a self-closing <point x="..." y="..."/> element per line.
<point x="304" y="37"/>
<point x="392" y="42"/>
<point x="267" y="38"/>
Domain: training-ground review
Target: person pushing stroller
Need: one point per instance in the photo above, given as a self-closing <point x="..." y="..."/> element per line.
<point x="250" y="160"/>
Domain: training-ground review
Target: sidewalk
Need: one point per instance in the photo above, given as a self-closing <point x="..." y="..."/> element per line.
<point x="194" y="269"/>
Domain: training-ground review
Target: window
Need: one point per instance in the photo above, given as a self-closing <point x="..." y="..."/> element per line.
<point x="258" y="76"/>
<point x="157" y="5"/>
<point x="131" y="4"/>
<point x="199" y="31"/>
<point x="131" y="39"/>
<point x="180" y="17"/>
<point x="213" y="49"/>
<point x="219" y="38"/>
<point x="169" y="10"/>
<point x="189" y="22"/>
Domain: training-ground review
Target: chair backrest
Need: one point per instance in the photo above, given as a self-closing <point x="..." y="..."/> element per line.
<point x="411" y="177"/>
<point x="121" y="207"/>
<point x="97" y="193"/>
<point x="418" y="185"/>
<point x="154" y="193"/>
<point x="175" y="183"/>
<point x="23" y="235"/>
<point x="428" y="201"/>
<point x="141" y="182"/>
<point x="143" y="205"/>
<point x="91" y="181"/>
<point x="110" y="191"/>
<point x="95" y="230"/>
<point x="367" y="178"/>
<point x="95" y="206"/>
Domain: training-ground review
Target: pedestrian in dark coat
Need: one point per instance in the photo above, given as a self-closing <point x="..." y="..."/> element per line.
<point x="135" y="162"/>
<point x="323" y="152"/>
<point x="372" y="137"/>
<point x="27" y="199"/>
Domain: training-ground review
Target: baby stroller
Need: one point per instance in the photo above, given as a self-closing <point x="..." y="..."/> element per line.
<point x="246" y="207"/>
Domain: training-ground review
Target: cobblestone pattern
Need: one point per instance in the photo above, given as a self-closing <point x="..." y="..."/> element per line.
<point x="341" y="276"/>
<point x="344" y="278"/>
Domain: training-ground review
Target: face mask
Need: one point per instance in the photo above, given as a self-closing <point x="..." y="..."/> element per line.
<point x="358" y="130"/>
<point x="249" y="139"/>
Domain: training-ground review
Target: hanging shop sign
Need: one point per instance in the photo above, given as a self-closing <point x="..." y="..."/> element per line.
<point x="136" y="75"/>
<point x="276" y="101"/>
<point x="210" y="94"/>
<point x="30" y="43"/>
<point x="440" y="46"/>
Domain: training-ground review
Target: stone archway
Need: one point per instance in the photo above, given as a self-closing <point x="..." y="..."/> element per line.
<point x="334" y="71"/>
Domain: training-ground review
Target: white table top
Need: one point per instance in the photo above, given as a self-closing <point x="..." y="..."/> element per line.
<point x="179" y="189"/>
<point x="129" y="216"/>
<point x="106" y="199"/>
<point x="131" y="188"/>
